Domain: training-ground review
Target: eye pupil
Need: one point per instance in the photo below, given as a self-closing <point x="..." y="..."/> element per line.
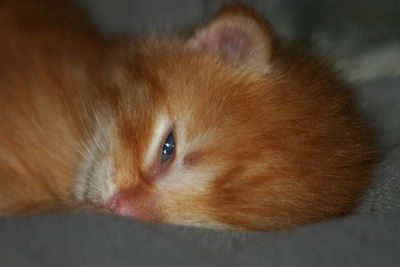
<point x="168" y="148"/>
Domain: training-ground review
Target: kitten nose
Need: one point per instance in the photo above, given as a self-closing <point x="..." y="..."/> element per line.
<point x="114" y="203"/>
<point x="131" y="204"/>
<point x="120" y="204"/>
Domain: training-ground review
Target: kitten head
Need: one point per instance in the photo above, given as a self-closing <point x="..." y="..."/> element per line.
<point x="225" y="129"/>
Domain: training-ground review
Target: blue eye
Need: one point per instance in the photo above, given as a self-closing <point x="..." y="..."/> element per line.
<point x="168" y="148"/>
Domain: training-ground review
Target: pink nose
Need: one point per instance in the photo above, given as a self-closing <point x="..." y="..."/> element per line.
<point x="130" y="204"/>
<point x="117" y="204"/>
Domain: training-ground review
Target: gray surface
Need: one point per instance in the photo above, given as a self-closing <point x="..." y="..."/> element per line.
<point x="380" y="100"/>
<point x="94" y="240"/>
<point x="126" y="16"/>
<point x="384" y="197"/>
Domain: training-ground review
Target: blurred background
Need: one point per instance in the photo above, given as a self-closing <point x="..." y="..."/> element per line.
<point x="361" y="38"/>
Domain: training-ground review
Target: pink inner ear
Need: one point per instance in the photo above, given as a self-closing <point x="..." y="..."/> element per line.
<point x="233" y="42"/>
<point x="229" y="41"/>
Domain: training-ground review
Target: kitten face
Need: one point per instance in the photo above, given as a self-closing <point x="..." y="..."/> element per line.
<point x="127" y="174"/>
<point x="258" y="142"/>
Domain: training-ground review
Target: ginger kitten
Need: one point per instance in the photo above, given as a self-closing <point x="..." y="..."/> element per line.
<point x="226" y="128"/>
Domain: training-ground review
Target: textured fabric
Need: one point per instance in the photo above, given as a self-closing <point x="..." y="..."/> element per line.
<point x="380" y="100"/>
<point x="384" y="196"/>
<point x="126" y="16"/>
<point x="95" y="240"/>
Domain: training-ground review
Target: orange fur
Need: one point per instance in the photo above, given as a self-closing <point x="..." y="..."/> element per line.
<point x="265" y="137"/>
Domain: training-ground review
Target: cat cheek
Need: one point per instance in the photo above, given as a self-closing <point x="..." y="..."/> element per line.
<point x="94" y="183"/>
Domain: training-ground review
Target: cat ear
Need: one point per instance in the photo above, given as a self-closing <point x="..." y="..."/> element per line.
<point x="239" y="33"/>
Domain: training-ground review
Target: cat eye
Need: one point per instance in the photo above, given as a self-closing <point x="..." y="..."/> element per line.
<point x="168" y="148"/>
